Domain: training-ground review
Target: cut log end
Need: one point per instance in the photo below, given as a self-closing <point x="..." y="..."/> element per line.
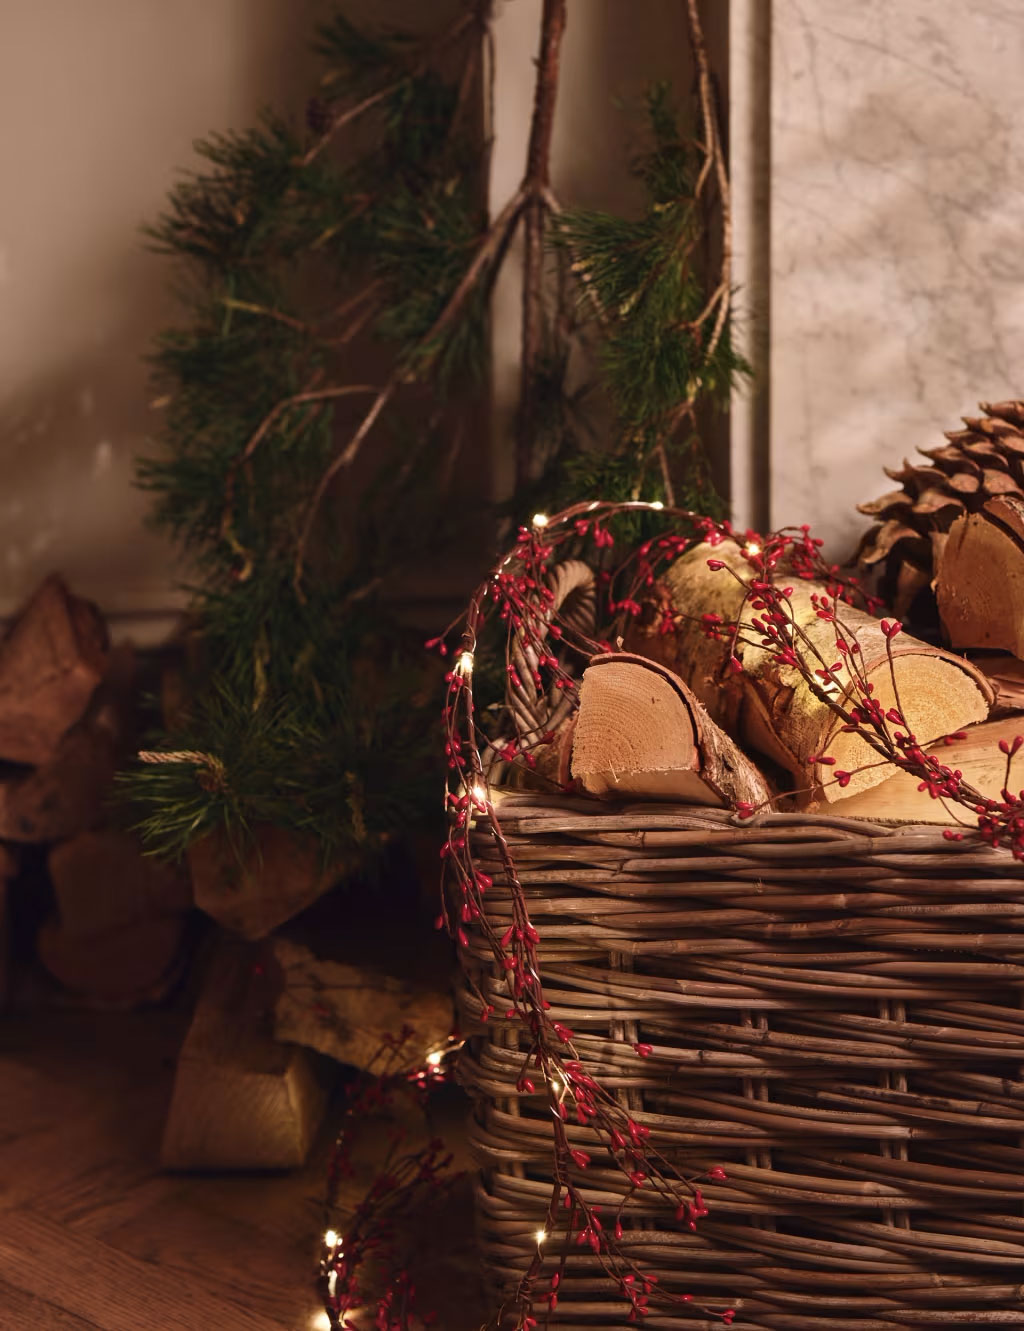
<point x="640" y="732"/>
<point x="979" y="582"/>
<point x="935" y="697"/>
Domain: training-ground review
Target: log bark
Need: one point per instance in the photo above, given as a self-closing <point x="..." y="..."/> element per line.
<point x="103" y="881"/>
<point x="979" y="582"/>
<point x="641" y="733"/>
<point x="770" y="706"/>
<point x="241" y="1100"/>
<point x="51" y="660"/>
<point x="348" y="1012"/>
<point x="254" y="891"/>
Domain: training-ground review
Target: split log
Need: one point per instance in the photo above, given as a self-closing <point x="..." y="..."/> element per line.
<point x="51" y="661"/>
<point x="977" y="756"/>
<point x="979" y="582"/>
<point x="349" y="1012"/>
<point x="241" y="1100"/>
<point x="66" y="795"/>
<point x="1006" y="675"/>
<point x="641" y="732"/>
<point x="253" y="889"/>
<point x="102" y="881"/>
<point x="125" y="967"/>
<point x="771" y="707"/>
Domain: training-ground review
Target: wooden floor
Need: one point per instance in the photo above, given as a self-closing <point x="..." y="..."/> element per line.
<point x="93" y="1237"/>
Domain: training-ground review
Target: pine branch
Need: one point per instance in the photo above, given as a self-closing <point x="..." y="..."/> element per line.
<point x="474" y="15"/>
<point x="491" y="247"/>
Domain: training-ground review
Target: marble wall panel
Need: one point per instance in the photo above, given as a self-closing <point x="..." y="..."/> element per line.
<point x="896" y="238"/>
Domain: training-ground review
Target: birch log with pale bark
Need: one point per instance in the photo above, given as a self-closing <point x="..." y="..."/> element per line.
<point x="770" y="706"/>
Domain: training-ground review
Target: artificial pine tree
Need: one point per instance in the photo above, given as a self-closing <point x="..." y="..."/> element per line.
<point x="307" y="710"/>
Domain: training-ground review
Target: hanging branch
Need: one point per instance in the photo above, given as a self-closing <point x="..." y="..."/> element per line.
<point x="536" y="183"/>
<point x="714" y="160"/>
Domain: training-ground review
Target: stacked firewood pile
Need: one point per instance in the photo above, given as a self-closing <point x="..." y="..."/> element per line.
<point x="113" y="933"/>
<point x="280" y="1003"/>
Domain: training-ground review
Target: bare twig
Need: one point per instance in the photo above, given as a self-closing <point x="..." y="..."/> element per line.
<point x="537" y="180"/>
<point x="714" y="158"/>
<point x="250" y="307"/>
<point x="489" y="250"/>
<point x="310" y="394"/>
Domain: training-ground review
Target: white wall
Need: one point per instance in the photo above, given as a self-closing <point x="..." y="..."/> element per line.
<point x="893" y="233"/>
<point x="100" y="102"/>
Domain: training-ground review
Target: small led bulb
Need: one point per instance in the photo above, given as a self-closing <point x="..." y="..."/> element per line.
<point x="752" y="548"/>
<point x="434" y="1058"/>
<point x="331" y="1238"/>
<point x="657" y="505"/>
<point x="540" y="519"/>
<point x="479" y="793"/>
<point x="541" y="1235"/>
<point x="464" y="665"/>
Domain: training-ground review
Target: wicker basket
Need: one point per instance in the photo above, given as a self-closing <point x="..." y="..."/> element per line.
<point x="835" y="1011"/>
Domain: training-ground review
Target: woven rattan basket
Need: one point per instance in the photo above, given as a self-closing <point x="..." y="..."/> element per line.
<point x="835" y="1011"/>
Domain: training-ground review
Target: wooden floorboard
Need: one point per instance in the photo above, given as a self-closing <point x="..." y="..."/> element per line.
<point x="93" y="1235"/>
<point x="108" y="1288"/>
<point x="24" y="1312"/>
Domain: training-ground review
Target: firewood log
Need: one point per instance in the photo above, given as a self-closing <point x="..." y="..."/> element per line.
<point x="125" y="967"/>
<point x="102" y="880"/>
<point x="641" y="732"/>
<point x="1006" y="675"/>
<point x="51" y="660"/>
<point x="771" y="707"/>
<point x="979" y="582"/>
<point x="253" y="889"/>
<point x="348" y="1011"/>
<point x="241" y="1099"/>
<point x="66" y="794"/>
<point x="977" y="756"/>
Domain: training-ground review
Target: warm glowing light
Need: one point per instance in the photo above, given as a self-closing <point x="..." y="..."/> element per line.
<point x="480" y="793"/>
<point x="541" y="1235"/>
<point x="540" y="519"/>
<point x="320" y="1322"/>
<point x="434" y="1058"/>
<point x="332" y="1238"/>
<point x="657" y="505"/>
<point x="464" y="665"/>
<point x="752" y="548"/>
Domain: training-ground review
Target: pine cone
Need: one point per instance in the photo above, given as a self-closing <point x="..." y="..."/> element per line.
<point x="985" y="459"/>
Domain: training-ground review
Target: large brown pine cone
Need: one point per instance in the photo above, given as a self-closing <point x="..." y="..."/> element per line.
<point x="985" y="459"/>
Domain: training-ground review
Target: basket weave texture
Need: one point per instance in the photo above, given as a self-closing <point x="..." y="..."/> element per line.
<point x="836" y="1018"/>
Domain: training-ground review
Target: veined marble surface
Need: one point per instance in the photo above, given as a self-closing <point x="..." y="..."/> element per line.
<point x="897" y="239"/>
